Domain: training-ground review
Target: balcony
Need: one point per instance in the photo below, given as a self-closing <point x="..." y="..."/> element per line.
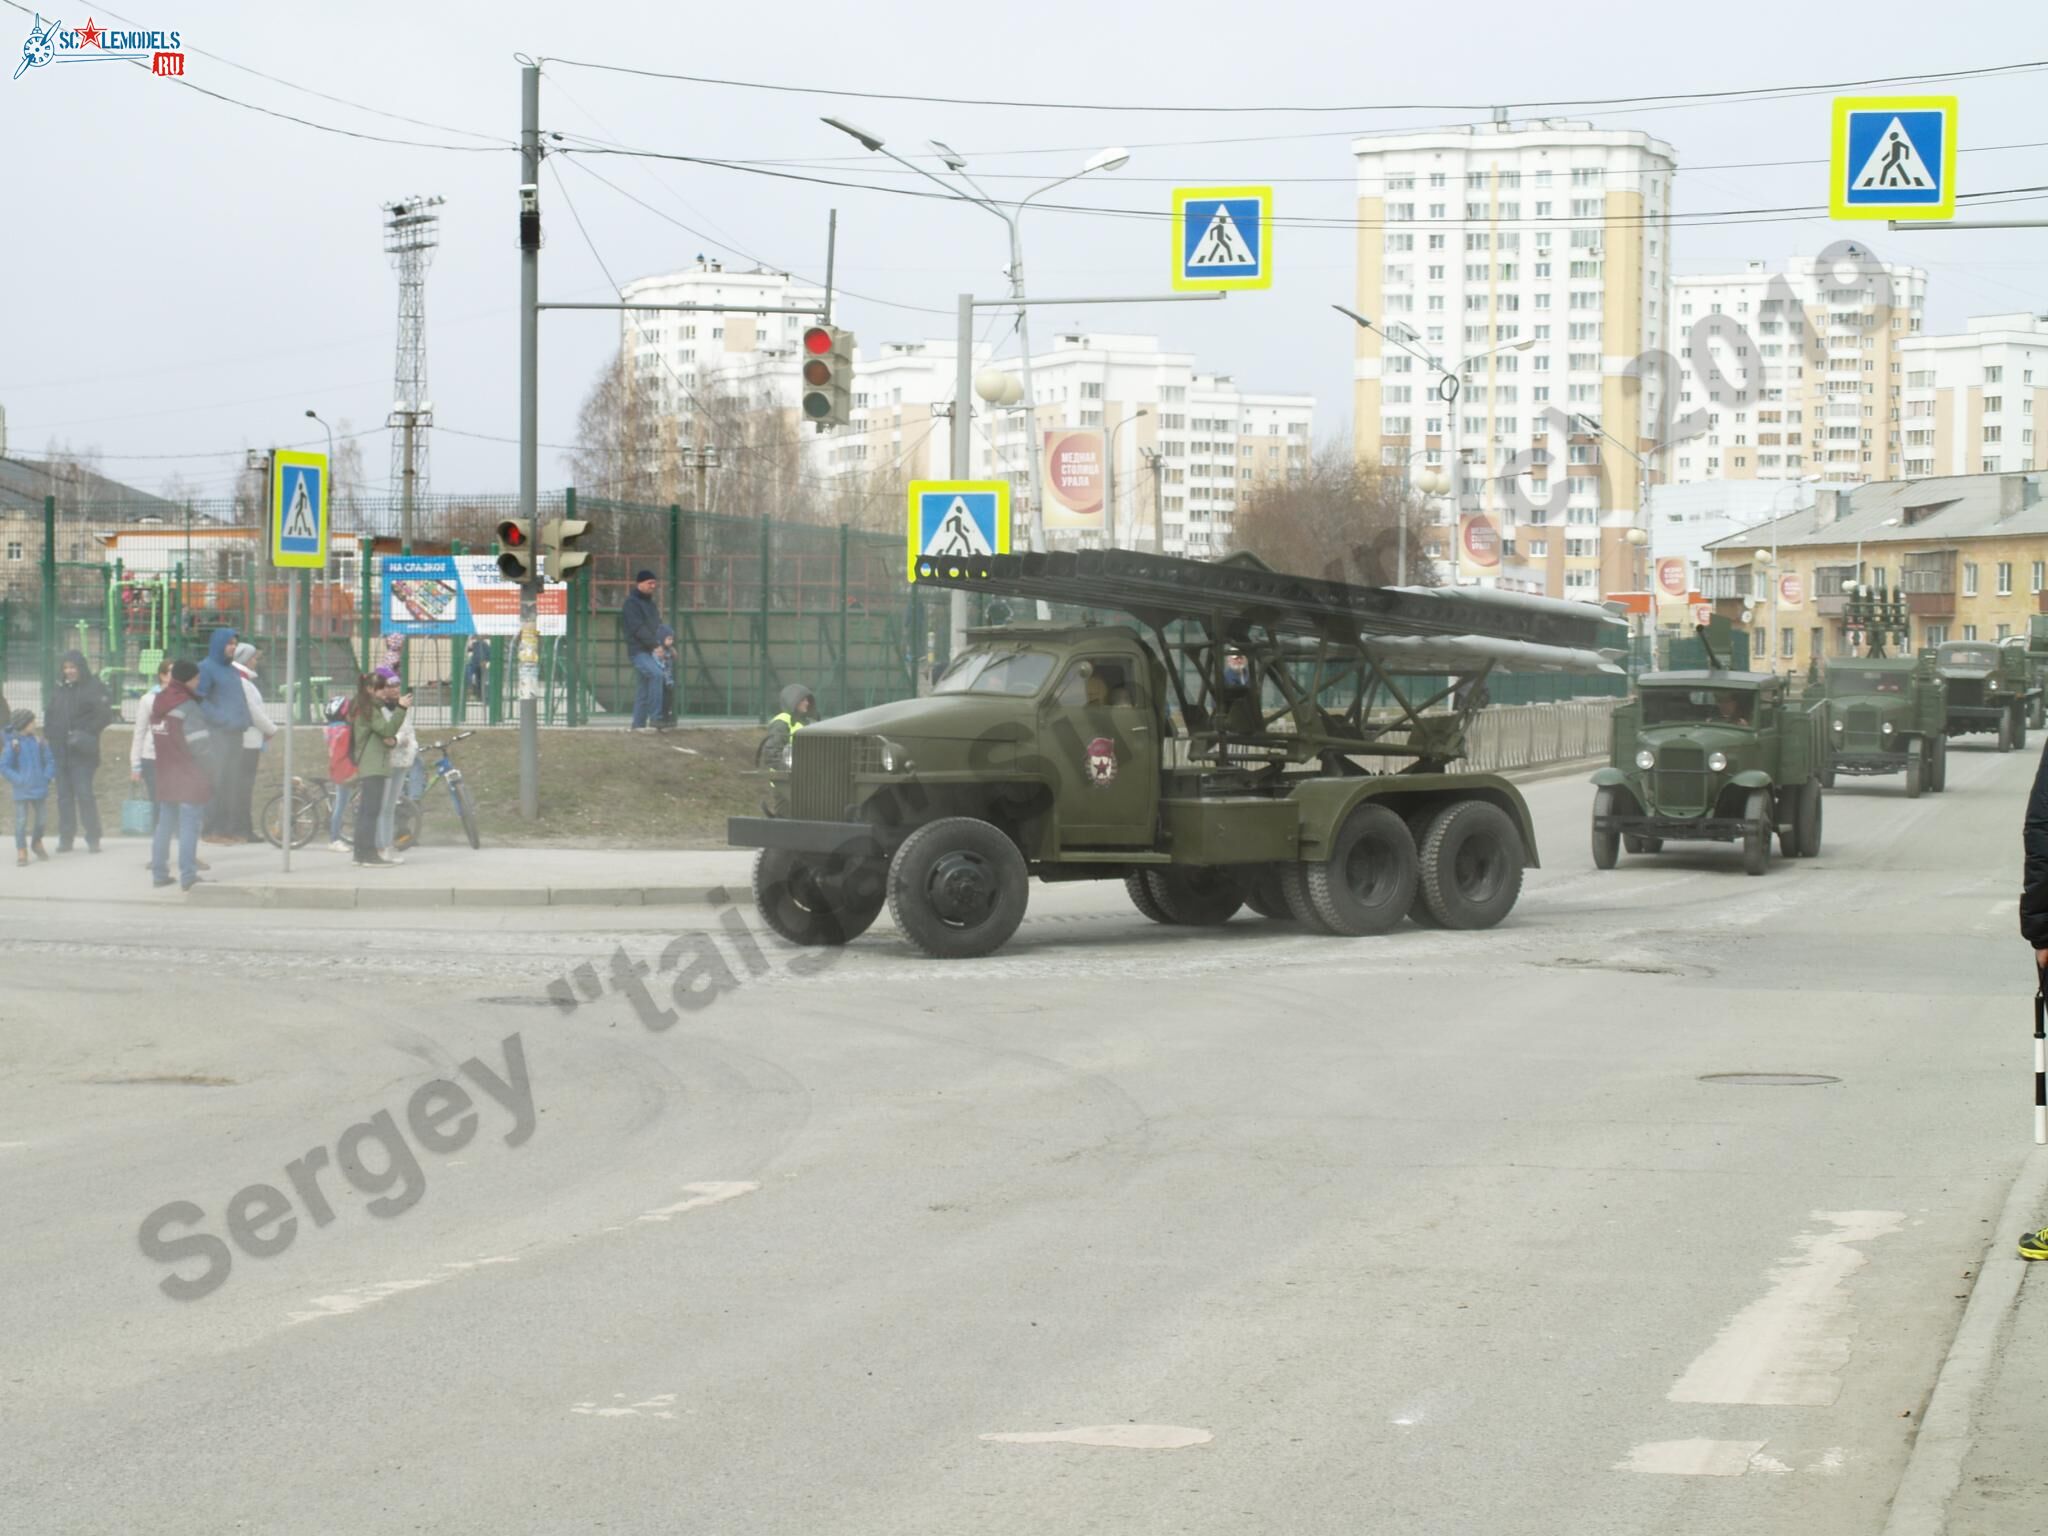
<point x="1931" y="605"/>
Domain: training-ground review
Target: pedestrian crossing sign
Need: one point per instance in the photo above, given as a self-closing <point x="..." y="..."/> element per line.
<point x="1222" y="238"/>
<point x="958" y="519"/>
<point x="298" y="510"/>
<point x="1894" y="158"/>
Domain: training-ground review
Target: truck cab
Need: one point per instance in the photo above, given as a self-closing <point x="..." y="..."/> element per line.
<point x="1712" y="755"/>
<point x="1886" y="715"/>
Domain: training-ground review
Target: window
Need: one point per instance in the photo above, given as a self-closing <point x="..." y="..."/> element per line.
<point x="14" y="550"/>
<point x="1937" y="634"/>
<point x="1586" y="176"/>
<point x="1969" y="581"/>
<point x="1399" y="243"/>
<point x="1436" y="178"/>
<point x="1543" y="210"/>
<point x="1969" y="631"/>
<point x="1400" y="183"/>
<point x="1994" y="375"/>
<point x="1400" y="212"/>
<point x="2003" y="631"/>
<point x="1436" y="210"/>
<point x="1993" y="404"/>
<point x="2040" y="576"/>
<point x="1091" y="391"/>
<point x="1436" y="242"/>
<point x="2005" y="578"/>
<point x="1786" y="638"/>
<point x="1581" y="580"/>
<point x="1585" y="207"/>
<point x="1994" y="434"/>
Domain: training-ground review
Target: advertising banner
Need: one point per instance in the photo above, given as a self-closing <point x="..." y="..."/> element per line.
<point x="1671" y="579"/>
<point x="1074" y="479"/>
<point x="1478" y="542"/>
<point x="460" y="595"/>
<point x="1791" y="591"/>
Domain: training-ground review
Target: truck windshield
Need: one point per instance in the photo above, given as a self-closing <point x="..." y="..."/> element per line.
<point x="1871" y="682"/>
<point x="1683" y="706"/>
<point x="1968" y="659"/>
<point x="1018" y="674"/>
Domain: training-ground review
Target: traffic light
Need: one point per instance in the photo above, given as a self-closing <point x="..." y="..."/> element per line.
<point x="828" y="376"/>
<point x="515" y="542"/>
<point x="563" y="534"/>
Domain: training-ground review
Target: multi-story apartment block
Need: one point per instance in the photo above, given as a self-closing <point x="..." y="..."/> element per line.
<point x="1795" y="372"/>
<point x="1532" y="260"/>
<point x="1199" y="443"/>
<point x="1971" y="406"/>
<point x="675" y="356"/>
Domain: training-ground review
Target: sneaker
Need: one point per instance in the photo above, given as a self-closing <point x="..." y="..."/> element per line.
<point x="21" y="858"/>
<point x="63" y="847"/>
<point x="92" y="847"/>
<point x="188" y="884"/>
<point x="2035" y="1245"/>
<point x="394" y="858"/>
<point x="201" y="864"/>
<point x="338" y="846"/>
<point x="160" y="884"/>
<point x="374" y="864"/>
<point x="36" y="847"/>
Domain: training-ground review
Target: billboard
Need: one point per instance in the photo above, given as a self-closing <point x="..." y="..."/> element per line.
<point x="1671" y="577"/>
<point x="460" y="595"/>
<point x="1075" y="478"/>
<point x="1791" y="591"/>
<point x="1478" y="542"/>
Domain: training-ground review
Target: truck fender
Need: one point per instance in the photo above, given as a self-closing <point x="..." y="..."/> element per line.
<point x="1324" y="803"/>
<point x="1606" y="777"/>
<point x="1751" y="778"/>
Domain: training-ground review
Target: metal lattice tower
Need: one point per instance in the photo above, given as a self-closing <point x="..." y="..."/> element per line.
<point x="411" y="232"/>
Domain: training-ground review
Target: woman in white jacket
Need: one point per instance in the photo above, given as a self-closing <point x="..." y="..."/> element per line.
<point x="240" y="822"/>
<point x="406" y="771"/>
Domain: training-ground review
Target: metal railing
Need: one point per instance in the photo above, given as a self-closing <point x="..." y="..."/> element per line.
<point x="1534" y="735"/>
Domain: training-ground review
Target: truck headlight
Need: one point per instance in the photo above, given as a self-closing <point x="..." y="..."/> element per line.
<point x="1717" y="762"/>
<point x="1838" y="725"/>
<point x="893" y="758"/>
<point x="1886" y="728"/>
<point x="1646" y="759"/>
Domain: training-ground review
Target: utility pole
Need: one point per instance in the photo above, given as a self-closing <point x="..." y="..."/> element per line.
<point x="701" y="460"/>
<point x="529" y="435"/>
<point x="1156" y="462"/>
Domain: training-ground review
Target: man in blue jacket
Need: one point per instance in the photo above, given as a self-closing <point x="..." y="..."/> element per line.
<point x="640" y="623"/>
<point x="221" y="701"/>
<point x="28" y="766"/>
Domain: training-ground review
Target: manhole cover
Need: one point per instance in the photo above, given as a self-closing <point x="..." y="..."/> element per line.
<point x="1769" y="1079"/>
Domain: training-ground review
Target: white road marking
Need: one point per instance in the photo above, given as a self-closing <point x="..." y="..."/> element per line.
<point x="342" y="1303"/>
<point x="700" y="1195"/>
<point x="8" y="1146"/>
<point x="1124" y="1437"/>
<point x="1788" y="1346"/>
<point x="1694" y="1458"/>
<point x="659" y="1406"/>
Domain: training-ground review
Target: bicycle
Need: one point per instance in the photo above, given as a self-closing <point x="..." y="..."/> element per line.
<point x="312" y="813"/>
<point x="405" y="825"/>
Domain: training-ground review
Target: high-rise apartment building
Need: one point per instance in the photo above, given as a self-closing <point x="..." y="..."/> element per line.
<point x="1792" y="373"/>
<point x="1971" y="403"/>
<point x="1532" y="261"/>
<point x="1200" y="444"/>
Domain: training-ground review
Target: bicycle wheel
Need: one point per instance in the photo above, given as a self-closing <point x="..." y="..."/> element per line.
<point x="467" y="813"/>
<point x="308" y="815"/>
<point x="405" y="825"/>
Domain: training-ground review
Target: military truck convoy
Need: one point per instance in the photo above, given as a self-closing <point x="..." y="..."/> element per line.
<point x="1252" y="739"/>
<point x="1992" y="689"/>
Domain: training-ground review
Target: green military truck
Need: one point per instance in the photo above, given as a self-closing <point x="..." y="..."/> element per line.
<point x="1886" y="715"/>
<point x="1991" y="687"/>
<point x="1255" y="739"/>
<point x="1711" y="755"/>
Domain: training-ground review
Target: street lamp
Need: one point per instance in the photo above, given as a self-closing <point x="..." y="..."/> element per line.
<point x="1109" y="476"/>
<point x="1102" y="160"/>
<point x="1431" y="482"/>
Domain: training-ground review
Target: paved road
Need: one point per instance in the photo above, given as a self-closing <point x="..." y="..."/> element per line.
<point x="1434" y="1233"/>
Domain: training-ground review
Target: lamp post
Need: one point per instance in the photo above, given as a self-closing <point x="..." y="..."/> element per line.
<point x="1431" y="482"/>
<point x="1102" y="160"/>
<point x="1109" y="476"/>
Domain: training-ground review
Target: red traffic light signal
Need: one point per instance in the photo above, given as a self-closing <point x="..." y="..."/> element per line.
<point x="512" y="535"/>
<point x="515" y="540"/>
<point x="818" y="340"/>
<point x="828" y="376"/>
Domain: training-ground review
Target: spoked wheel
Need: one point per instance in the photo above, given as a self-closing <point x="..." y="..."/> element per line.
<point x="405" y="825"/>
<point x="307" y="818"/>
<point x="957" y="888"/>
<point x="467" y="812"/>
<point x="1756" y="841"/>
<point x="1471" y="865"/>
<point x="817" y="899"/>
<point x="1367" y="882"/>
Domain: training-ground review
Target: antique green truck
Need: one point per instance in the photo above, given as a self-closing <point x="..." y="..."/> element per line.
<point x="1253" y="738"/>
<point x="1885" y="715"/>
<point x="1992" y="689"/>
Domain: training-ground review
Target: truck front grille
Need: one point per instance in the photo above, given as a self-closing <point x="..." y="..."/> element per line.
<point x="1681" y="783"/>
<point x="1860" y="730"/>
<point x="1966" y="692"/>
<point x="821" y="780"/>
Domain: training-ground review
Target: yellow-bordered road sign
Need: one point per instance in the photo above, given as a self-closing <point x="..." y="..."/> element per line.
<point x="298" y="510"/>
<point x="1894" y="158"/>
<point x="1222" y="238"/>
<point x="958" y="519"/>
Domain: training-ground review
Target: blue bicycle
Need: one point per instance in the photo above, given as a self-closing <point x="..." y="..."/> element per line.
<point x="405" y="821"/>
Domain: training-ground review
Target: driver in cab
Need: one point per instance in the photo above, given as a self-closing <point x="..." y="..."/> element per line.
<point x="1730" y="707"/>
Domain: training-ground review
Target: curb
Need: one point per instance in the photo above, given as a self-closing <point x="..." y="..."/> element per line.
<point x="1934" y="1467"/>
<point x="390" y="898"/>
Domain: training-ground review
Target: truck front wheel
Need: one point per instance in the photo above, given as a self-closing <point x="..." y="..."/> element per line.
<point x="1916" y="767"/>
<point x="957" y="888"/>
<point x="1606" y="845"/>
<point x="1366" y="884"/>
<point x="812" y="900"/>
<point x="1937" y="771"/>
<point x="1472" y="860"/>
<point x="1756" y="841"/>
<point x="2005" y="731"/>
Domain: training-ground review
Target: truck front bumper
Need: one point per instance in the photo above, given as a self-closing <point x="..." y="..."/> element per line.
<point x="1968" y="719"/>
<point x="1867" y="764"/>
<point x="846" y="839"/>
<point x="1714" y="829"/>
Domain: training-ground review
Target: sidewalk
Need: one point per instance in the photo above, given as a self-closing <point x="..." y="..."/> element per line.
<point x="2005" y="1468"/>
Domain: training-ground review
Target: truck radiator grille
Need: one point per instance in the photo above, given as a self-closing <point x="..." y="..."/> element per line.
<point x="1682" y="780"/>
<point x="1859" y="728"/>
<point x="1966" y="692"/>
<point x="821" y="783"/>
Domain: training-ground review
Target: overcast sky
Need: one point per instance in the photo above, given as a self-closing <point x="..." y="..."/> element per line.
<point x="186" y="276"/>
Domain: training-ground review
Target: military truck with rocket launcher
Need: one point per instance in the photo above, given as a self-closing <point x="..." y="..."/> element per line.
<point x="1252" y="738"/>
<point x="1885" y="714"/>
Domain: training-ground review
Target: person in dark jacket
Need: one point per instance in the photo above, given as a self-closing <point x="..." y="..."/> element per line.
<point x="77" y="714"/>
<point x="221" y="700"/>
<point x="183" y="747"/>
<point x="640" y="623"/>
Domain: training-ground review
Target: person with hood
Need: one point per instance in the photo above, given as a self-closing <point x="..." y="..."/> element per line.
<point x="242" y="825"/>
<point x="78" y="713"/>
<point x="374" y="721"/>
<point x="799" y="709"/>
<point x="226" y="707"/>
<point x="183" y="786"/>
<point x="28" y="766"/>
<point x="640" y="623"/>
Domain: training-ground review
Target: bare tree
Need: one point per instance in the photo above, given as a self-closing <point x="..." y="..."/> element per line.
<point x="345" y="500"/>
<point x="625" y="449"/>
<point x="1339" y="519"/>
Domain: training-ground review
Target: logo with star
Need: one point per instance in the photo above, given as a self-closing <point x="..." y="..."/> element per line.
<point x="89" y="35"/>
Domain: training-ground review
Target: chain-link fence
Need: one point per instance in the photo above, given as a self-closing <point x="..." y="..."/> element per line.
<point x="755" y="605"/>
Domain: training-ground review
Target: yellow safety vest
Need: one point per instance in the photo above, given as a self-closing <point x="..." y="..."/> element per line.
<point x="785" y="718"/>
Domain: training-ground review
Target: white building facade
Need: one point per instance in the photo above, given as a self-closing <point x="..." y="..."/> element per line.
<point x="1795" y="371"/>
<point x="1533" y="260"/>
<point x="1977" y="403"/>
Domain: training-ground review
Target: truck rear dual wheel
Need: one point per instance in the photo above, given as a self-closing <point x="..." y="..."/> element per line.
<point x="1196" y="897"/>
<point x="1264" y="894"/>
<point x="1367" y="883"/>
<point x="2035" y="710"/>
<point x="1809" y="819"/>
<point x="811" y="900"/>
<point x="1471" y="865"/>
<point x="957" y="888"/>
